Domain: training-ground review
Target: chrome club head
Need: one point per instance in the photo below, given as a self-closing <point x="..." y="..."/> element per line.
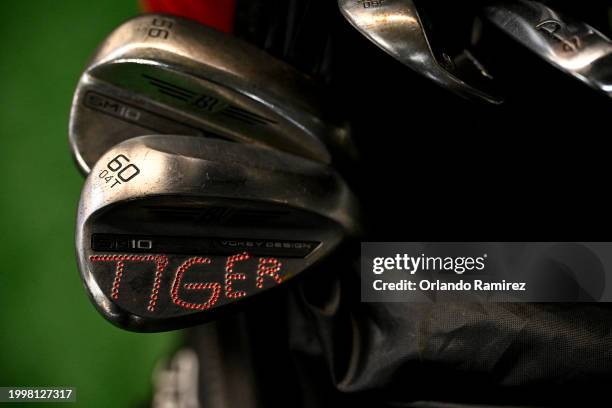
<point x="396" y="26"/>
<point x="167" y="75"/>
<point x="172" y="229"/>
<point x="572" y="46"/>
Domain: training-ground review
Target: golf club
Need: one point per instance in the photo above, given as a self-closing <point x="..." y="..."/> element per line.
<point x="397" y="27"/>
<point x="172" y="229"/>
<point x="159" y="74"/>
<point x="572" y="46"/>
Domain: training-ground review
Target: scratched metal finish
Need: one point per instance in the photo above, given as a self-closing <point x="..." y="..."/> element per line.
<point x="570" y="45"/>
<point x="155" y="208"/>
<point x="396" y="27"/>
<point x="159" y="74"/>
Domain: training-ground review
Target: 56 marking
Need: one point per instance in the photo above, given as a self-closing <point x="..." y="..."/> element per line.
<point x="119" y="170"/>
<point x="160" y="28"/>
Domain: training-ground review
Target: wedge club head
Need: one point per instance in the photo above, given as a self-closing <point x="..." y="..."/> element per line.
<point x="572" y="46"/>
<point x="173" y="229"/>
<point x="397" y="27"/>
<point x="167" y="75"/>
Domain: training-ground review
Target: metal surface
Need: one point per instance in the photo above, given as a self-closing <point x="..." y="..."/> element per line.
<point x="572" y="46"/>
<point x="396" y="27"/>
<point x="167" y="75"/>
<point x="161" y="218"/>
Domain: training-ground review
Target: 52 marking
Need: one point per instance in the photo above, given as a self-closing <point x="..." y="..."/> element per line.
<point x="119" y="170"/>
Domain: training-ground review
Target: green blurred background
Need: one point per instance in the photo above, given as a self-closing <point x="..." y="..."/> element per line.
<point x="50" y="334"/>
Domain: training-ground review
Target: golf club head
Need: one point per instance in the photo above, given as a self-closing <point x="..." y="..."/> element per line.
<point x="173" y="229"/>
<point x="572" y="46"/>
<point x="158" y="74"/>
<point x="397" y="27"/>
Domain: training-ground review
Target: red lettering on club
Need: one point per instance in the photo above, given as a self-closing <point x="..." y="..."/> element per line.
<point x="230" y="275"/>
<point x="214" y="287"/>
<point x="160" y="261"/>
<point x="268" y="267"/>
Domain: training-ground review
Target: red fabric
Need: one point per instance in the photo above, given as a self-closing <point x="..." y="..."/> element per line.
<point x="218" y="14"/>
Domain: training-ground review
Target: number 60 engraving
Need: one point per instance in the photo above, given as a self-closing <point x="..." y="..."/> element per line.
<point x="119" y="171"/>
